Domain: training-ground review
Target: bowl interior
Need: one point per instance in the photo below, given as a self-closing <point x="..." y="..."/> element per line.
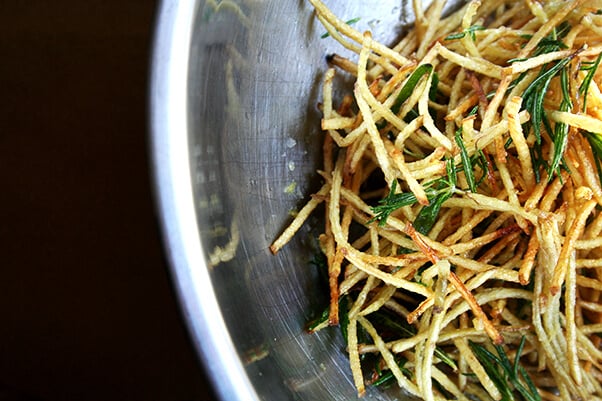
<point x="254" y="71"/>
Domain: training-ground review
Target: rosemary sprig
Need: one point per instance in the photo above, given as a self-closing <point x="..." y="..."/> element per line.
<point x="428" y="214"/>
<point x="533" y="102"/>
<point x="349" y="22"/>
<point x="534" y="95"/>
<point x="549" y="44"/>
<point x="561" y="130"/>
<point x="466" y="162"/>
<point x="410" y="85"/>
<point x="391" y="203"/>
<point x="471" y="30"/>
<point x="437" y="192"/>
<point x="533" y="98"/>
<point x="344" y="315"/>
<point x="387" y="378"/>
<point x="511" y="379"/>
<point x="322" y="318"/>
<point x="311" y="326"/>
<point x="539" y="162"/>
<point x="552" y="42"/>
<point x="594" y="139"/>
<point x="433" y="91"/>
<point x="404" y="330"/>
<point x="591" y="71"/>
<point x="480" y="160"/>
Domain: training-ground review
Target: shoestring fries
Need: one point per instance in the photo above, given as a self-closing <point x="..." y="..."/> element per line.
<point x="462" y="198"/>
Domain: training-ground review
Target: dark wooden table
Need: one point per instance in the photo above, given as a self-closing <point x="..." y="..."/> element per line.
<point x="87" y="310"/>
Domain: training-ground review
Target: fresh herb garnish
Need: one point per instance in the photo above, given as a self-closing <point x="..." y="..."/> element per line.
<point x="344" y="315"/>
<point x="511" y="379"/>
<point x="552" y="42"/>
<point x="471" y="30"/>
<point x="433" y="91"/>
<point x="561" y="130"/>
<point x="533" y="98"/>
<point x="466" y="162"/>
<point x="312" y="325"/>
<point x="538" y="161"/>
<point x="387" y="378"/>
<point x="391" y="203"/>
<point x="401" y="329"/>
<point x="594" y="139"/>
<point x="591" y="71"/>
<point x="428" y="214"/>
<point x="437" y="192"/>
<point x="480" y="160"/>
<point x="533" y="102"/>
<point x="410" y="85"/>
<point x="534" y="95"/>
<point x="349" y="22"/>
<point x="322" y="318"/>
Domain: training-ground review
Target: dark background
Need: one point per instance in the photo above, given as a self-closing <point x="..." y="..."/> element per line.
<point x="87" y="310"/>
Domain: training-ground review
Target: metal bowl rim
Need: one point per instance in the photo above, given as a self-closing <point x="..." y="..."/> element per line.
<point x="172" y="178"/>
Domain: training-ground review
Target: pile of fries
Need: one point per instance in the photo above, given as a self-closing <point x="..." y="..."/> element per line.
<point x="462" y="198"/>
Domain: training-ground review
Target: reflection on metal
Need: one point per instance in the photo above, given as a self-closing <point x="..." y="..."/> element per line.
<point x="255" y="354"/>
<point x="226" y="252"/>
<point x="225" y="5"/>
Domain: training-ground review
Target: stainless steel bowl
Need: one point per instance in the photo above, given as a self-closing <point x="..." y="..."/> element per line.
<point x="236" y="141"/>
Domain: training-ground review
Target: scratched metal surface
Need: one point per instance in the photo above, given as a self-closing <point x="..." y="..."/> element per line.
<point x="236" y="143"/>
